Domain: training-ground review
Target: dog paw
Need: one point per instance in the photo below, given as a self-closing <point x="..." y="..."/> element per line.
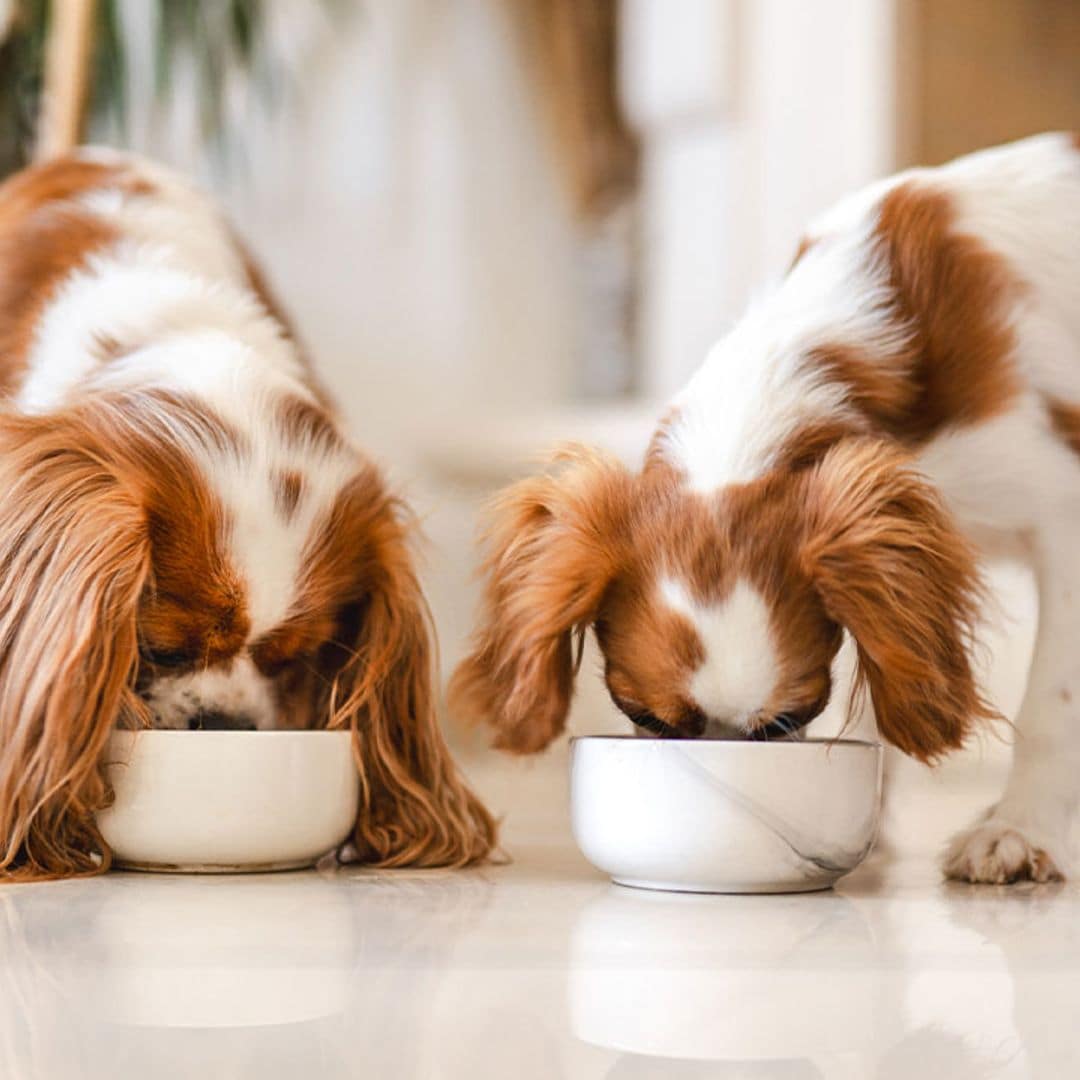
<point x="998" y="854"/>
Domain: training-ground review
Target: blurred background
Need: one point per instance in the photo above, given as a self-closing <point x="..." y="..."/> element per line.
<point x="500" y="224"/>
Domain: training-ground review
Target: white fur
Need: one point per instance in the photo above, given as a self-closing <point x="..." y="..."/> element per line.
<point x="236" y="689"/>
<point x="137" y="297"/>
<point x="172" y="300"/>
<point x="738" y="675"/>
<point x="755" y="388"/>
<point x="266" y="549"/>
<point x="1010" y="480"/>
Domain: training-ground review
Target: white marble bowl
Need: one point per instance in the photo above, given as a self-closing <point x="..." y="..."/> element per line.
<point x="228" y="801"/>
<point x="699" y="815"/>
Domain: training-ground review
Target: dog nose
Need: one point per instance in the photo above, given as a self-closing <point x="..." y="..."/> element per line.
<point x="216" y="720"/>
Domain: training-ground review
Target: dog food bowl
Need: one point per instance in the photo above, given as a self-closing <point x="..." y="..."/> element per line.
<point x="699" y="815"/>
<point x="228" y="801"/>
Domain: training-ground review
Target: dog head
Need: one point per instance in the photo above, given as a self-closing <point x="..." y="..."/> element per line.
<point x="721" y="613"/>
<point x="162" y="567"/>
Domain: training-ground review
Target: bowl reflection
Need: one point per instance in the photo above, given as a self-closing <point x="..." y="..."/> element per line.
<point x="254" y="975"/>
<point x="707" y="978"/>
<point x="186" y="952"/>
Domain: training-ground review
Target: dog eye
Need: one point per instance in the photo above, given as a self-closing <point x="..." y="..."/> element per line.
<point x="654" y="724"/>
<point x="166" y="658"/>
<point x="278" y="665"/>
<point x="641" y="717"/>
<point x="781" y="726"/>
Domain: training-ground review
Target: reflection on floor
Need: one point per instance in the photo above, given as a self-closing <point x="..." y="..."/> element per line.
<point x="541" y="969"/>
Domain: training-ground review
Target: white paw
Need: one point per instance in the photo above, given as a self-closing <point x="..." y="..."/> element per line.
<point x="999" y="853"/>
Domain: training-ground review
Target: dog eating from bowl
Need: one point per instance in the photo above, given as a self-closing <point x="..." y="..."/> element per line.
<point x="189" y="538"/>
<point x="905" y="401"/>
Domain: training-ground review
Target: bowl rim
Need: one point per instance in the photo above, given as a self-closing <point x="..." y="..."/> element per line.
<point x="740" y="743"/>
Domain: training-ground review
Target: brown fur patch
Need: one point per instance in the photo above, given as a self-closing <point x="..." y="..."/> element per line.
<point x="554" y="544"/>
<point x="44" y="237"/>
<point x="60" y="180"/>
<point x="288" y="490"/>
<point x="809" y="444"/>
<point x="956" y="297"/>
<point x="891" y="567"/>
<point x="1065" y="420"/>
<point x="661" y="650"/>
<point x="876" y="386"/>
<point x="75" y="560"/>
<point x="194" y="608"/>
<point x="957" y="368"/>
<point x="37" y="254"/>
<point x="303" y="422"/>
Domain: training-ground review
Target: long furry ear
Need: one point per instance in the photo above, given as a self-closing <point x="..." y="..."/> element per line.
<point x="891" y="567"/>
<point x="553" y="545"/>
<point x="415" y="808"/>
<point x="74" y="556"/>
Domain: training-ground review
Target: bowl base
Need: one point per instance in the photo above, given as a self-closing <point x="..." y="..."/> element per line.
<point x="816" y="885"/>
<point x="212" y="868"/>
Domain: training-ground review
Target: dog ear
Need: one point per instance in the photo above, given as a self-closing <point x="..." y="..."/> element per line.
<point x="415" y="808"/>
<point x="74" y="557"/>
<point x="553" y="548"/>
<point x="891" y="567"/>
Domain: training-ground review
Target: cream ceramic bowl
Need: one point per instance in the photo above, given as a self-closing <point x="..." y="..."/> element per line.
<point x="228" y="801"/>
<point x="698" y="815"/>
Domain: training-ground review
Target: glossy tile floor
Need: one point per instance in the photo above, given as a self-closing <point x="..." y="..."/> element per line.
<point x="541" y="969"/>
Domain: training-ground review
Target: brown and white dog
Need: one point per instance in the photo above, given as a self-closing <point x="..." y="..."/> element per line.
<point x="187" y="537"/>
<point x="909" y="394"/>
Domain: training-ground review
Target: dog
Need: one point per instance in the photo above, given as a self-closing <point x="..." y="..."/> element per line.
<point x="906" y="400"/>
<point x="188" y="537"/>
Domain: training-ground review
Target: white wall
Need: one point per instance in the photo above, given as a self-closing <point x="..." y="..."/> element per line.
<point x="405" y="206"/>
<point x="754" y="116"/>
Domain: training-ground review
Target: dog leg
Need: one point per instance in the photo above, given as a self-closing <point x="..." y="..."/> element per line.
<point x="1025" y="836"/>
